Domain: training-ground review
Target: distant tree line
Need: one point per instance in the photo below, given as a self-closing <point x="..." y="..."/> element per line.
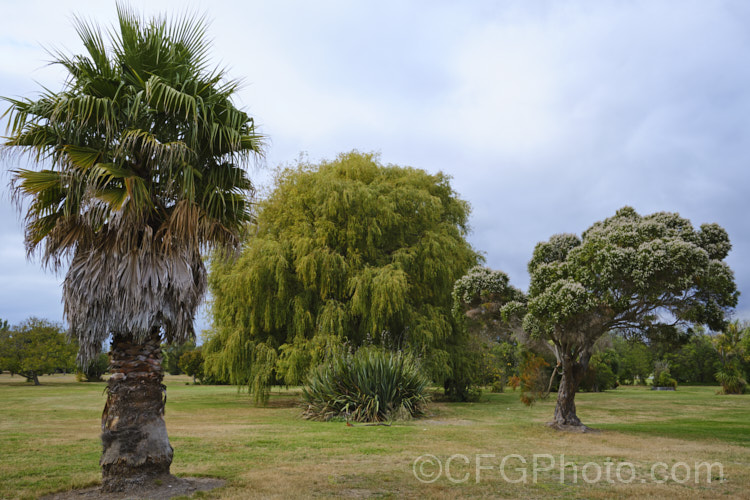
<point x="41" y="347"/>
<point x="696" y="358"/>
<point x="188" y="359"/>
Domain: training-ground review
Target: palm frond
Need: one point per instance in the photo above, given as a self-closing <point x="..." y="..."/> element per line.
<point x="146" y="146"/>
<point x="83" y="112"/>
<point x="33" y="182"/>
<point x="82" y="157"/>
<point x="92" y="39"/>
<point x="188" y="34"/>
<point x="114" y="197"/>
<point x="170" y="100"/>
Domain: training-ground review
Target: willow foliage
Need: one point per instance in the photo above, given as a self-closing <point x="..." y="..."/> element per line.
<point x="347" y="252"/>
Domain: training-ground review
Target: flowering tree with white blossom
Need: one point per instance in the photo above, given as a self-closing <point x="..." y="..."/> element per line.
<point x="636" y="275"/>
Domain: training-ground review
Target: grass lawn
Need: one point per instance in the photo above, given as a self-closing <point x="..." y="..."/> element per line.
<point x="49" y="441"/>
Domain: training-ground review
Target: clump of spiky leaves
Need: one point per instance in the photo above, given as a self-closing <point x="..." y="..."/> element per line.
<point x="371" y="385"/>
<point x="731" y="380"/>
<point x="142" y="152"/>
<point x="732" y="349"/>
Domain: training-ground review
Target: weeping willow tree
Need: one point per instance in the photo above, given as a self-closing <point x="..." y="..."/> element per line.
<point x="141" y="155"/>
<point x="345" y="253"/>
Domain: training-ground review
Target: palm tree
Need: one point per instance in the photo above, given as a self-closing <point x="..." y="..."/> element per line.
<point x="140" y="160"/>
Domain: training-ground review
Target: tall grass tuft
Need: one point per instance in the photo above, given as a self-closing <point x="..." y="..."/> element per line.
<point x="371" y="385"/>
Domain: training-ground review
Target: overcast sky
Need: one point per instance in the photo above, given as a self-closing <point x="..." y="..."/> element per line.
<point x="548" y="115"/>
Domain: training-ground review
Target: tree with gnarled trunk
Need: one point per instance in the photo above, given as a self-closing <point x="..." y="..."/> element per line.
<point x="649" y="277"/>
<point x="637" y="275"/>
<point x="143" y="150"/>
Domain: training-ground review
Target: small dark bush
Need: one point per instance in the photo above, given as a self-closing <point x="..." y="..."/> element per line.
<point x="600" y="376"/>
<point x="534" y="378"/>
<point x="94" y="369"/>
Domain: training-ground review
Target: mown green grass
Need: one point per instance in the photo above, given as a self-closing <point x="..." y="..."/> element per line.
<point x="49" y="442"/>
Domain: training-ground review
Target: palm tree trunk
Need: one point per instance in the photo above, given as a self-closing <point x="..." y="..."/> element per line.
<point x="135" y="445"/>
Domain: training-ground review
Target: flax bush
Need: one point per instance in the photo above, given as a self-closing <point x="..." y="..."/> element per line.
<point x="371" y="385"/>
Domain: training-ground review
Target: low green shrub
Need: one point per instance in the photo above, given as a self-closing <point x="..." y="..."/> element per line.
<point x="665" y="380"/>
<point x="372" y="385"/>
<point x="662" y="375"/>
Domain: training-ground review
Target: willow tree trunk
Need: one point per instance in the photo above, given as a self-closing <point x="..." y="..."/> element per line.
<point x="135" y="445"/>
<point x="565" y="411"/>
